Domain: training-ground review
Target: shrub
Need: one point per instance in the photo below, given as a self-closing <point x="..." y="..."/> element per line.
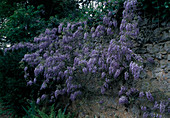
<point x="56" y="63"/>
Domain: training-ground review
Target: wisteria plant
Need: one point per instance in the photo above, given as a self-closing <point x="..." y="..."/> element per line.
<point x="54" y="61"/>
<point x="59" y="59"/>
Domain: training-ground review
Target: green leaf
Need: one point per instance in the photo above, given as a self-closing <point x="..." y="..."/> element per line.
<point x="52" y="115"/>
<point x="157" y="7"/>
<point x="145" y="6"/>
<point x="166" y="6"/>
<point x="29" y="116"/>
<point x="153" y="2"/>
<point x="42" y="114"/>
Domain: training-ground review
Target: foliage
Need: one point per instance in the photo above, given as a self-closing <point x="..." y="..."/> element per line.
<point x="24" y="24"/>
<point x="35" y="112"/>
<point x="160" y="9"/>
<point x="61" y="8"/>
<point x="7" y="7"/>
<point x="14" y="91"/>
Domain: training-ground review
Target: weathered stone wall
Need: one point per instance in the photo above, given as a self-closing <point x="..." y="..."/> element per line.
<point x="156" y="54"/>
<point x="155" y="51"/>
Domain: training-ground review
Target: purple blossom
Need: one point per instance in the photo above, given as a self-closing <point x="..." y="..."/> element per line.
<point x="106" y="85"/>
<point x="35" y="80"/>
<point x="128" y="27"/>
<point x="110" y="23"/>
<point x="106" y="20"/>
<point x="26" y="68"/>
<point x="103" y="74"/>
<point x="80" y="28"/>
<point x="126" y="75"/>
<point x="103" y="90"/>
<point x="122" y="38"/>
<point x="68" y="25"/>
<point x="162" y="107"/>
<point x="135" y="69"/>
<point x="141" y="94"/>
<point x="101" y="102"/>
<point x="107" y="80"/>
<point x="54" y="30"/>
<point x="133" y="90"/>
<point x="29" y="83"/>
<point x="143" y="108"/>
<point x="38" y="101"/>
<point x="37" y="71"/>
<point x="93" y="35"/>
<point x="63" y="91"/>
<point x="123" y="100"/>
<point x="85" y="22"/>
<point x="156" y="105"/>
<point x="157" y="115"/>
<point x="145" y="115"/>
<point x="47" y="31"/>
<point x="60" y="27"/>
<point x="94" y="69"/>
<point x="152" y="115"/>
<point x="43" y="86"/>
<point x="117" y="73"/>
<point x="122" y="90"/>
<point x="128" y="93"/>
<point x="43" y="97"/>
<point x="74" y="95"/>
<point x="128" y="57"/>
<point x="76" y="34"/>
<point x="85" y="35"/>
<point x="85" y="70"/>
<point x="110" y="14"/>
<point x="72" y="27"/>
<point x="150" y="60"/>
<point x="109" y="31"/>
<point x="115" y="23"/>
<point x="57" y="93"/>
<point x="149" y="96"/>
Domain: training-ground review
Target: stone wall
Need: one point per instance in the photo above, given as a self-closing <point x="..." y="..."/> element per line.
<point x="156" y="54"/>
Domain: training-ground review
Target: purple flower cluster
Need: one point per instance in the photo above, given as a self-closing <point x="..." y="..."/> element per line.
<point x="129" y="24"/>
<point x="123" y="100"/>
<point x="162" y="107"/>
<point x="132" y="92"/>
<point x="122" y="90"/>
<point x="74" y="95"/>
<point x="21" y="45"/>
<point x="135" y="69"/>
<point x="141" y="94"/>
<point x="149" y="96"/>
